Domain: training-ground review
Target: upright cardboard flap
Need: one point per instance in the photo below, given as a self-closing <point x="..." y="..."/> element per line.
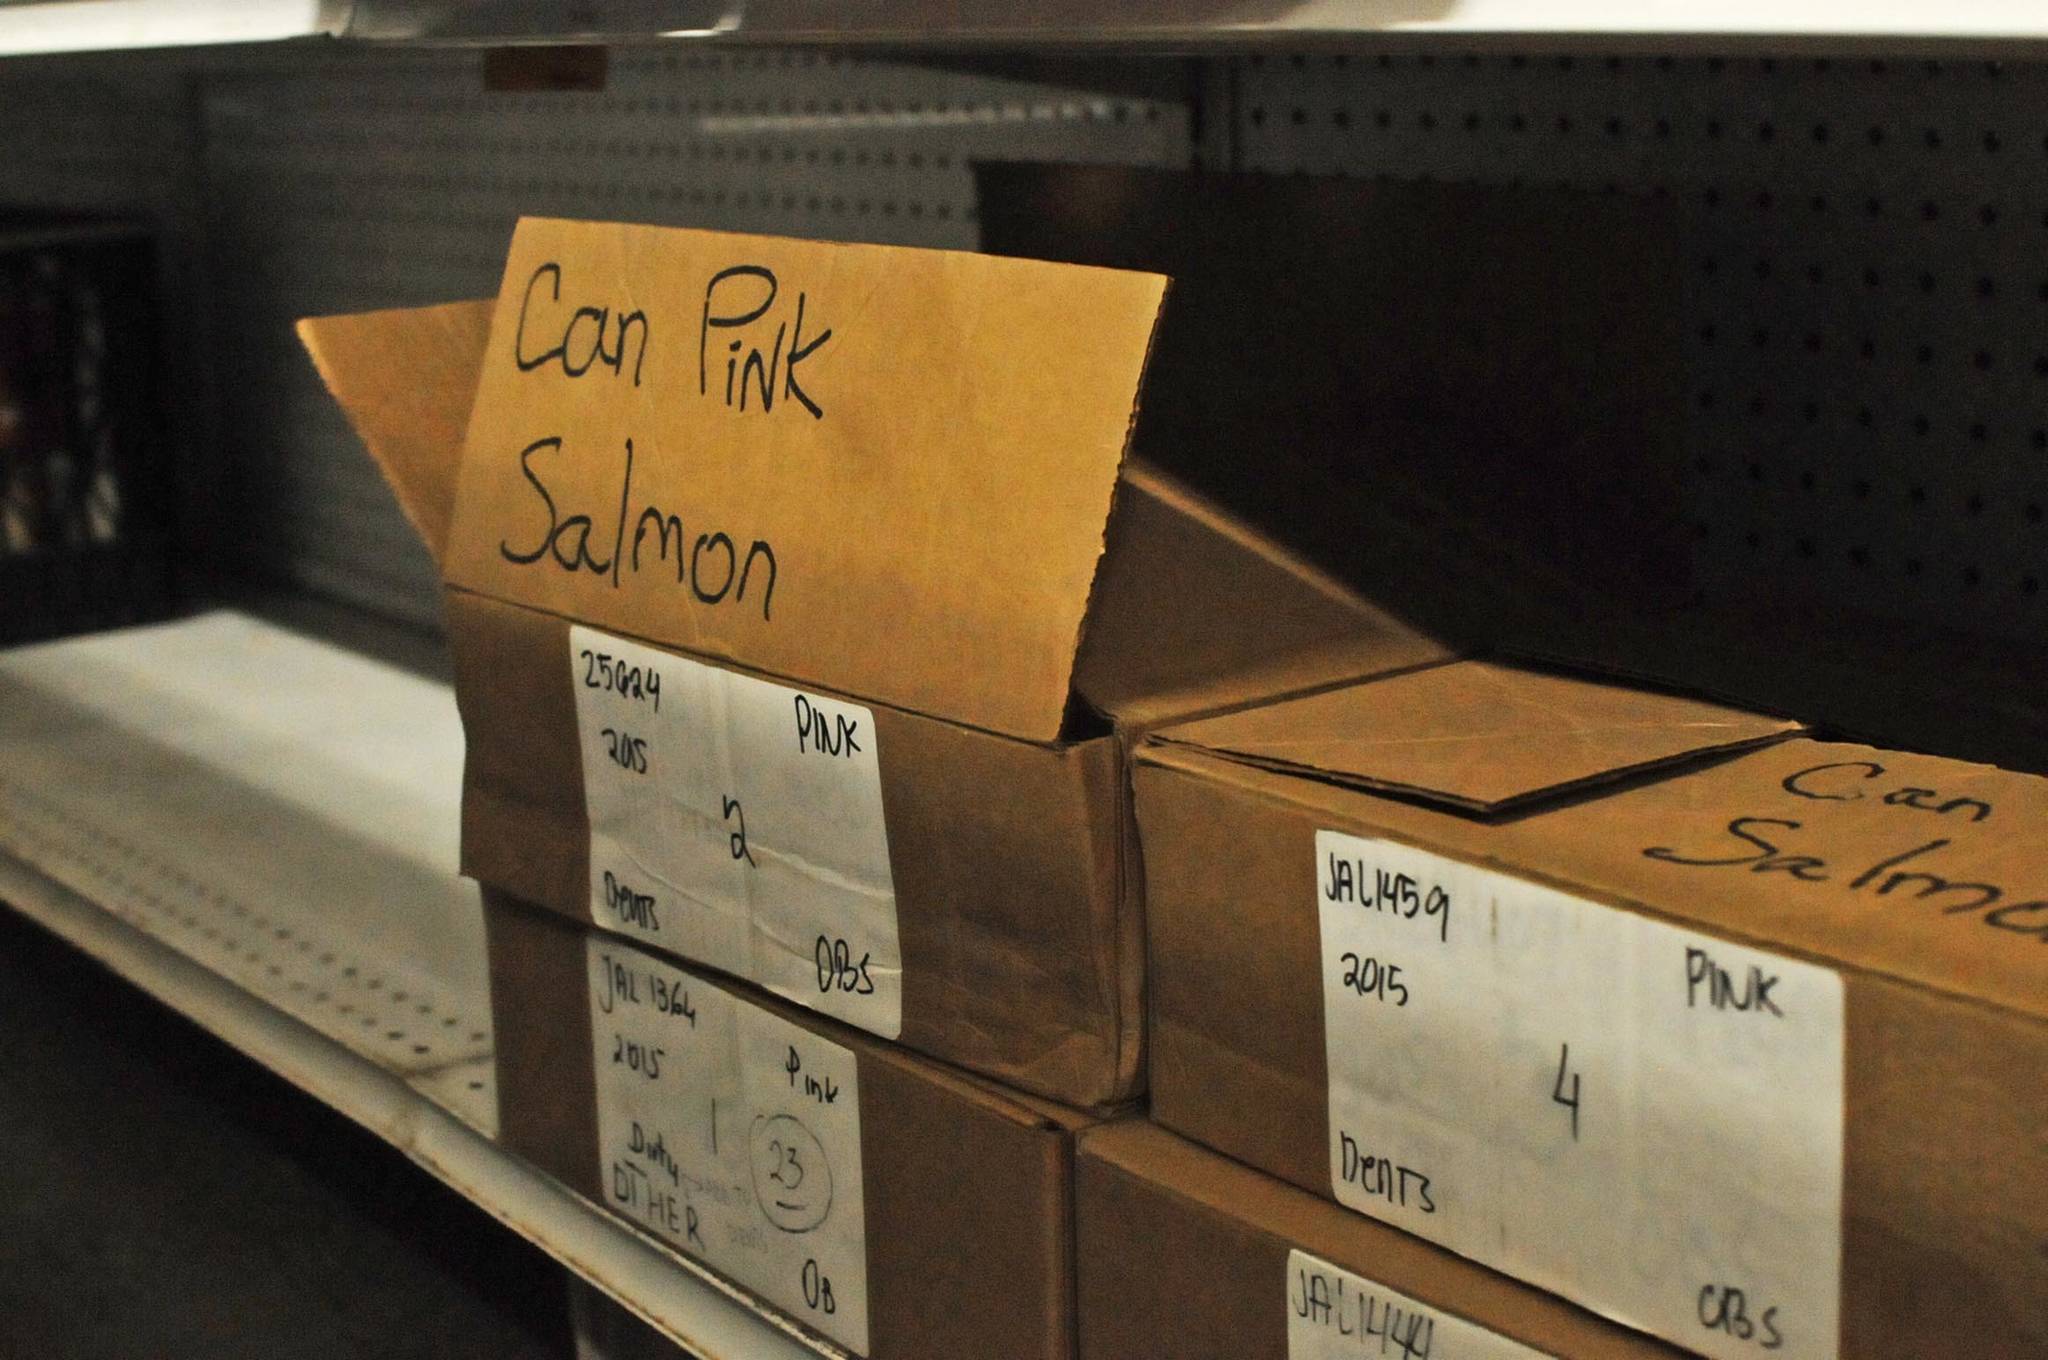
<point x="1476" y="736"/>
<point x="1195" y="611"/>
<point x="881" y="469"/>
<point x="406" y="379"/>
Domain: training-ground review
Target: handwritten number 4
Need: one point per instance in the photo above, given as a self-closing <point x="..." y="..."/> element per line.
<point x="1557" y="1091"/>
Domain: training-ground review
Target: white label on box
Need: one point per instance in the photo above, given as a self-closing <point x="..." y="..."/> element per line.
<point x="740" y="823"/>
<point x="1642" y="1118"/>
<point x="731" y="1134"/>
<point x="1335" y="1315"/>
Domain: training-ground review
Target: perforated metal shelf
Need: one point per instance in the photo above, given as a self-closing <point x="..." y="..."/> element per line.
<point x="259" y="829"/>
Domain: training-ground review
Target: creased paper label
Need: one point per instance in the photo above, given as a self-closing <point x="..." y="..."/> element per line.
<point x="1335" y="1315"/>
<point x="1641" y="1118"/>
<point x="740" y="823"/>
<point x="733" y="1135"/>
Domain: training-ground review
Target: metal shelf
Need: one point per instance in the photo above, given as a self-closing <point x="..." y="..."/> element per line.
<point x="259" y="829"/>
<point x="2008" y="26"/>
<point x="40" y="26"/>
<point x="1186" y="24"/>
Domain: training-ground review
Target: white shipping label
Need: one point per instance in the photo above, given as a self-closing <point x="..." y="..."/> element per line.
<point x="739" y="823"/>
<point x="1335" y="1315"/>
<point x="733" y="1135"/>
<point x="1639" y="1117"/>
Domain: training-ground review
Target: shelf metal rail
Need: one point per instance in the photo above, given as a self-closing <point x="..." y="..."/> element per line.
<point x="2009" y="26"/>
<point x="258" y="829"/>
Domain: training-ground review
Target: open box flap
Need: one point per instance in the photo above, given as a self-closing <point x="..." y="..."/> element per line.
<point x="1476" y="736"/>
<point x="1196" y="611"/>
<point x="1270" y="624"/>
<point x="406" y="379"/>
<point x="882" y="470"/>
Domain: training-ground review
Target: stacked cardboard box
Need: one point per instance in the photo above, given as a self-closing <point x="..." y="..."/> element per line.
<point x="1736" y="1038"/>
<point x="894" y="1205"/>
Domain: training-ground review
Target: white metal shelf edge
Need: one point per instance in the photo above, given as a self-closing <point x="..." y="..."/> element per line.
<point x="1001" y="23"/>
<point x="51" y="26"/>
<point x="190" y="805"/>
<point x="695" y="1312"/>
<point x="103" y="25"/>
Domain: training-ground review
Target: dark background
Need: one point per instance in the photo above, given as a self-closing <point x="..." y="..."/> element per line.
<point x="162" y="1195"/>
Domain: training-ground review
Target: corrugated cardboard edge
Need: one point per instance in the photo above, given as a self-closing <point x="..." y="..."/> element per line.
<point x="1133" y="961"/>
<point x="1129" y="936"/>
<point x="414" y="430"/>
<point x="1116" y="486"/>
<point x="526" y="961"/>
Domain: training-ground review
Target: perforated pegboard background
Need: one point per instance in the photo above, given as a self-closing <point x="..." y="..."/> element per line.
<point x="91" y="137"/>
<point x="1866" y="297"/>
<point x="118" y="140"/>
<point x="1864" y="302"/>
<point x="383" y="180"/>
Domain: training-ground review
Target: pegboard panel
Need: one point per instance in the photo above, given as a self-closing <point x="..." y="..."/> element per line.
<point x="384" y="179"/>
<point x="114" y="136"/>
<point x="106" y="139"/>
<point x="1865" y="293"/>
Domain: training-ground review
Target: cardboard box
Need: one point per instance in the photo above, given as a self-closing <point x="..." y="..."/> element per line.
<point x="1183" y="1253"/>
<point x="1746" y="1051"/>
<point x="887" y="782"/>
<point x="897" y="1207"/>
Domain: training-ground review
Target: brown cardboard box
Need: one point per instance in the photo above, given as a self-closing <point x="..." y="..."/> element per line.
<point x="1182" y="1253"/>
<point x="1795" y="991"/>
<point x="966" y="1190"/>
<point x="957" y="592"/>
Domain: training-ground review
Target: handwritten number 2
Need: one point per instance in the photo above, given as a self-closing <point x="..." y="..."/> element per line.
<point x="1557" y="1091"/>
<point x="736" y="816"/>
